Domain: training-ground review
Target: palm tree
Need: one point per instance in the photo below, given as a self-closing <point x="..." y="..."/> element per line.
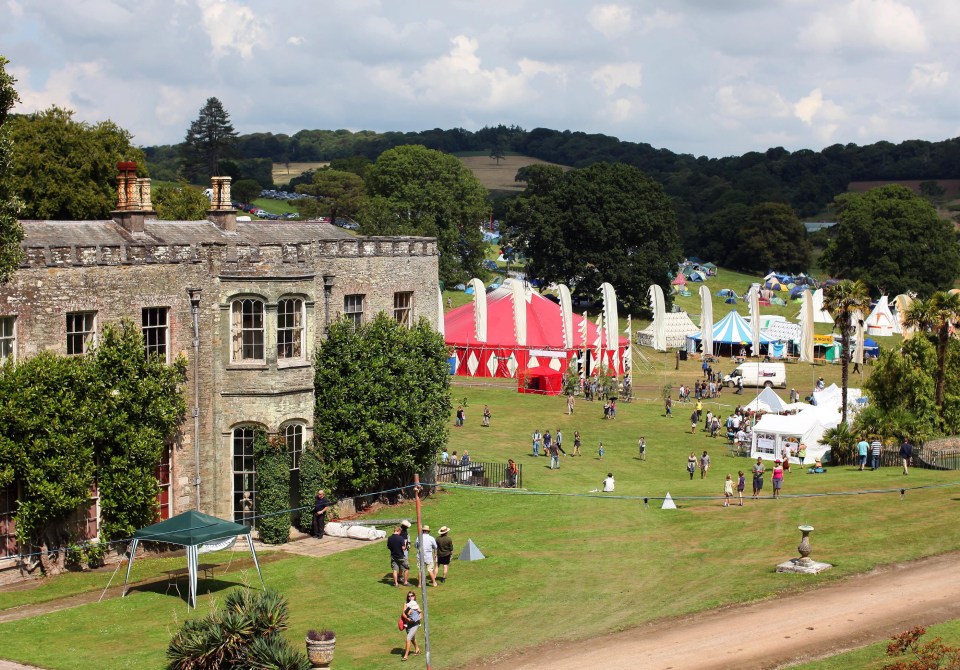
<point x="843" y="300"/>
<point x="936" y="315"/>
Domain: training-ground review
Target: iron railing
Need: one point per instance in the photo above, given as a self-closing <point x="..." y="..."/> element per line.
<point x="479" y="473"/>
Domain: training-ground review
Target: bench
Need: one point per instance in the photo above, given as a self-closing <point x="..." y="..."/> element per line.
<point x="174" y="575"/>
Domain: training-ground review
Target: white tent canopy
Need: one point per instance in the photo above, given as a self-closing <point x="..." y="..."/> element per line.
<point x="881" y="321"/>
<point x="767" y="401"/>
<point x="676" y="327"/>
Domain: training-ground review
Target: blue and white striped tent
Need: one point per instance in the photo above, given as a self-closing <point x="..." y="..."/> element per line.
<point x="733" y="329"/>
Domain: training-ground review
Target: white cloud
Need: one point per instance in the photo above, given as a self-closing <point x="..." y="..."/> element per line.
<point x="623" y="109"/>
<point x="611" y="21"/>
<point x="659" y="20"/>
<point x="231" y="27"/>
<point x="925" y="76"/>
<point x="874" y="25"/>
<point x="613" y="76"/>
<point x="821" y="115"/>
<point x="750" y="100"/>
<point x="808" y="106"/>
<point x="295" y="40"/>
<point x="16" y="9"/>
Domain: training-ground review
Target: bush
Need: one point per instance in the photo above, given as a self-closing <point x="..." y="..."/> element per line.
<point x="245" y="633"/>
<point x="273" y="489"/>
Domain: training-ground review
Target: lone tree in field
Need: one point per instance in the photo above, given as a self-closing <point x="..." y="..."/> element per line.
<point x="11" y="233"/>
<point x="843" y="300"/>
<point x="208" y="140"/>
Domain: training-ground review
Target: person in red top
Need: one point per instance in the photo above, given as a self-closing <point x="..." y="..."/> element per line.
<point x="777" y="477"/>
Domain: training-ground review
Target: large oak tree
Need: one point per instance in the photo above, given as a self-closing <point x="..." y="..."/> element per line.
<point x="604" y="223"/>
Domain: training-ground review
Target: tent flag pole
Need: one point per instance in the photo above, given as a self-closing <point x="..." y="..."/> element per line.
<point x="133" y="553"/>
<point x="192" y="576"/>
<point x="256" y="563"/>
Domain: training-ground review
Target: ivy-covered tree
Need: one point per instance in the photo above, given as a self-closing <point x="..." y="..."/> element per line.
<point x="418" y="191"/>
<point x="11" y="232"/>
<point x="605" y="223"/>
<point x="208" y="140"/>
<point x="66" y="422"/>
<point x="382" y="403"/>
<point x="63" y="169"/>
<point x="892" y="239"/>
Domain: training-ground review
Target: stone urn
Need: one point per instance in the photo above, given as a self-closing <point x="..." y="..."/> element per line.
<point x="804" y="547"/>
<point x="320" y="652"/>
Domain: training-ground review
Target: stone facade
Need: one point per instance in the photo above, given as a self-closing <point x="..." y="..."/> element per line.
<point x="266" y="292"/>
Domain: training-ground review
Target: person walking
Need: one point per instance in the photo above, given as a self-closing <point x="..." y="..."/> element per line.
<point x="320" y="506"/>
<point x="777" y="478"/>
<point x="536" y="442"/>
<point x="906" y="453"/>
<point x="802" y="453"/>
<point x="876" y="447"/>
<point x="554" y="450"/>
<point x="704" y="464"/>
<point x="397" y="545"/>
<point x="444" y="551"/>
<point x="576" y="443"/>
<point x="699" y="407"/>
<point x="862" y="448"/>
<point x="668" y="407"/>
<point x="411" y="616"/>
<point x="570" y="403"/>
<point x="642" y="446"/>
<point x="741" y="484"/>
<point x="558" y="438"/>
<point x="692" y="464"/>
<point x="757" y="470"/>
<point x="694" y="420"/>
<point x="461" y="416"/>
<point x="429" y="566"/>
<point x="486" y="416"/>
<point x="600" y="450"/>
<point x="727" y="490"/>
<point x="512" y="473"/>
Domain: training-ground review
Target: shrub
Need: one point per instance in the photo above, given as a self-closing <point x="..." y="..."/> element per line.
<point x="273" y="489"/>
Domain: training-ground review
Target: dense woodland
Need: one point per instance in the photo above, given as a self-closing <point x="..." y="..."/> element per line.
<point x="700" y="187"/>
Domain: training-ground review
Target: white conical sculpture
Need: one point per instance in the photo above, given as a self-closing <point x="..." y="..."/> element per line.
<point x="471" y="552"/>
<point x="668" y="502"/>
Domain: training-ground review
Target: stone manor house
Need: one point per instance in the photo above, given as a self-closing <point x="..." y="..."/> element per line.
<point x="247" y="303"/>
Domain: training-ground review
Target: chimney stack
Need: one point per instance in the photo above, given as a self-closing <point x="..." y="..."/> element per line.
<point x="133" y="198"/>
<point x="221" y="210"/>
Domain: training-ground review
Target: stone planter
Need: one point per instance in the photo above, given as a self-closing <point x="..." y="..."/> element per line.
<point x="320" y="652"/>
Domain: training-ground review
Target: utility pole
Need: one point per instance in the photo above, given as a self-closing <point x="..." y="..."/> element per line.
<point x="422" y="566"/>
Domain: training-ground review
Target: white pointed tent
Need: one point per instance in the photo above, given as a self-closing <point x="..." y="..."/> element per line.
<point x="197" y="533"/>
<point x="767" y="401"/>
<point x="820" y="315"/>
<point x="677" y="326"/>
<point x="881" y="321"/>
<point x="706" y="318"/>
<point x="732" y="329"/>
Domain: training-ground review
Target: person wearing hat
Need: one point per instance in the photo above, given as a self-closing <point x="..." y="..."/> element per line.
<point x="777" y="478"/>
<point x="444" y="551"/>
<point x="429" y="565"/>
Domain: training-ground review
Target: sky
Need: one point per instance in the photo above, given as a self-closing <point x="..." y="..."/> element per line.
<point x="705" y="77"/>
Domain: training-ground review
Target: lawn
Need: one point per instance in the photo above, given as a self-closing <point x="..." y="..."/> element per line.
<point x="555" y="552"/>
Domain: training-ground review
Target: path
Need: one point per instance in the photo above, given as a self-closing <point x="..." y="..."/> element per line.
<point x="844" y="615"/>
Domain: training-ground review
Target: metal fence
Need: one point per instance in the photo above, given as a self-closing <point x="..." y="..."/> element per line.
<point x="478" y="473"/>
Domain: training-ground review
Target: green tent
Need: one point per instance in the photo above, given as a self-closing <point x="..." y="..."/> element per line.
<point x="198" y="533"/>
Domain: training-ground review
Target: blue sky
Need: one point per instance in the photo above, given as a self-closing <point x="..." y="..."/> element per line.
<point x="707" y="77"/>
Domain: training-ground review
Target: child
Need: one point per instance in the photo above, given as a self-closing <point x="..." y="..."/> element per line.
<point x="643" y="448"/>
<point x="600" y="451"/>
<point x="727" y="491"/>
<point x="741" y="483"/>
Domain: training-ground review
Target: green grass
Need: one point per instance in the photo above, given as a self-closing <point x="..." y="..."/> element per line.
<point x="609" y="562"/>
<point x="274" y="206"/>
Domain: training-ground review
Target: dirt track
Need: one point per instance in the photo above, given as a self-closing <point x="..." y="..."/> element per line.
<point x="773" y="633"/>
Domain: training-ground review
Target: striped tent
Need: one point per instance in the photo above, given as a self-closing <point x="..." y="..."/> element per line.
<point x="733" y="329"/>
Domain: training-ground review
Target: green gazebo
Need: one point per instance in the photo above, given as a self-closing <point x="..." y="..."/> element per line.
<point x="197" y="533"/>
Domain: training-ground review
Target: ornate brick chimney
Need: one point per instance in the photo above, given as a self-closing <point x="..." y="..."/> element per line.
<point x="221" y="210"/>
<point x="133" y="198"/>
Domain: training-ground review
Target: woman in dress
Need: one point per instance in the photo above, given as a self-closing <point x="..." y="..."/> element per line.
<point x="692" y="464"/>
<point x="411" y="621"/>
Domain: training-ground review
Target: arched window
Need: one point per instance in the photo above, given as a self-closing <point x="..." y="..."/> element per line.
<point x="244" y="476"/>
<point x="290" y="329"/>
<point x="246" y="330"/>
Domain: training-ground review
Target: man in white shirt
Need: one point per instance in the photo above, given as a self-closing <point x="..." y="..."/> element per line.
<point x="608" y="483"/>
<point x="429" y="555"/>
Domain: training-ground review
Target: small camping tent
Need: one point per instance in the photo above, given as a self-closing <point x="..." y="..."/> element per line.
<point x="197" y="533"/>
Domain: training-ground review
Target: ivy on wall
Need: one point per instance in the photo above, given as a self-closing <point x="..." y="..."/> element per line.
<point x="272" y="463"/>
<point x="69" y="422"/>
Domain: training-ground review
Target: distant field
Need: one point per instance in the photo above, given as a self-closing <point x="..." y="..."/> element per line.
<point x="951" y="186"/>
<point x="500" y="177"/>
<point x="284" y="172"/>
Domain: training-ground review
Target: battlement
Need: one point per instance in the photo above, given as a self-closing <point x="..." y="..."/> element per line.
<point x="238" y="254"/>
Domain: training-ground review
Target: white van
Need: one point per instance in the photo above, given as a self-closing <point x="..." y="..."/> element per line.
<point x="758" y="374"/>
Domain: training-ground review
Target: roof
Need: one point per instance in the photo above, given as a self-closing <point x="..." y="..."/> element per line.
<point x="733" y="329"/>
<point x="191" y="528"/>
<point x="544" y="323"/>
<point x="111" y="233"/>
<point x="676" y="325"/>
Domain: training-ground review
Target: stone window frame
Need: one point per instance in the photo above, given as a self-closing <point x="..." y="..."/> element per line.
<point x="158" y="330"/>
<point x="351" y="303"/>
<point x="85" y="336"/>
<point x="243" y="337"/>
<point x="403" y="307"/>
<point x="8" y="337"/>
<point x="296" y="341"/>
<point x="243" y="435"/>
